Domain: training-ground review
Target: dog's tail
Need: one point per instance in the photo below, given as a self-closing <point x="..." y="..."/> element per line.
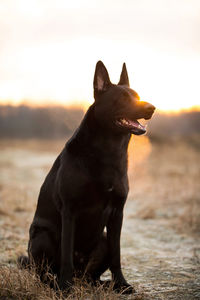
<point x="23" y="262"/>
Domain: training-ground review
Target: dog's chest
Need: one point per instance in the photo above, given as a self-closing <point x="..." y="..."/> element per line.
<point x="114" y="184"/>
<point x="107" y="195"/>
<point x="110" y="188"/>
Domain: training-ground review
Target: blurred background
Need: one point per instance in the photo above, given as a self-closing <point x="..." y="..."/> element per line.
<point x="48" y="53"/>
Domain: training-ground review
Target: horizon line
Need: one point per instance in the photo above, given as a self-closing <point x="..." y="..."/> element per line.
<point x="83" y="104"/>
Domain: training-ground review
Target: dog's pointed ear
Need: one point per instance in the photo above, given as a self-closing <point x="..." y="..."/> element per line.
<point x="124" y="76"/>
<point x="101" y="78"/>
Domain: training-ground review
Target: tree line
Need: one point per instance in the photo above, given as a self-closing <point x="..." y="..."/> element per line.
<point x="24" y="121"/>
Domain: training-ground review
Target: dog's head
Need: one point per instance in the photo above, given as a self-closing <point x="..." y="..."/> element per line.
<point x="118" y="106"/>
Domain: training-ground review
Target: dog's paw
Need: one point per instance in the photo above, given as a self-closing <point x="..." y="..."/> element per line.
<point x="105" y="283"/>
<point x="65" y="285"/>
<point x="23" y="262"/>
<point x="123" y="288"/>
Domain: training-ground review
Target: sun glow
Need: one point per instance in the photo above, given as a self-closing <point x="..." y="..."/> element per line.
<point x="48" y="59"/>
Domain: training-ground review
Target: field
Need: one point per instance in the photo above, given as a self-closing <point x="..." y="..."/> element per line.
<point x="160" y="237"/>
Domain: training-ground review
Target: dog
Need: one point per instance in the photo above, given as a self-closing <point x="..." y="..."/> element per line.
<point x="77" y="224"/>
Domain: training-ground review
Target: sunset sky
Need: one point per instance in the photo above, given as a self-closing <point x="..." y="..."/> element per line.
<point x="49" y="48"/>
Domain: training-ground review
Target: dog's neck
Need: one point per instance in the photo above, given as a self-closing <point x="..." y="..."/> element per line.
<point x="92" y="138"/>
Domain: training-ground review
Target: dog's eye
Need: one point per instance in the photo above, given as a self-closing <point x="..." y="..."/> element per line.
<point x="125" y="94"/>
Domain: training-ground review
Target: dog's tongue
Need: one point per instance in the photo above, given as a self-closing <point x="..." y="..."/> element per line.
<point x="137" y="125"/>
<point x="134" y="124"/>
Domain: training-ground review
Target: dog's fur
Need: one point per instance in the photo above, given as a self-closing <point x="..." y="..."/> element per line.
<point x="86" y="189"/>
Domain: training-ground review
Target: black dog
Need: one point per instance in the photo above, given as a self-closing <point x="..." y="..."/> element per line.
<point x="86" y="189"/>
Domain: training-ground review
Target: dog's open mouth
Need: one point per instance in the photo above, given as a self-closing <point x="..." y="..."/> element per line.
<point x="132" y="126"/>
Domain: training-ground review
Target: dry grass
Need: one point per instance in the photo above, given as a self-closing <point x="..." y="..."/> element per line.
<point x="167" y="184"/>
<point x="25" y="285"/>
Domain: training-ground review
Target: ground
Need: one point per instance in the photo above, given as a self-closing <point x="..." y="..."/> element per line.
<point x="160" y="242"/>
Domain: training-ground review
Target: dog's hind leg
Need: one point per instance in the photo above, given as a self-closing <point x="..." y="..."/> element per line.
<point x="23" y="262"/>
<point x="44" y="254"/>
<point x="99" y="260"/>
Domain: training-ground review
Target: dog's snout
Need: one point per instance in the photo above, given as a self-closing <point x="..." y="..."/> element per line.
<point x="148" y="110"/>
<point x="149" y="107"/>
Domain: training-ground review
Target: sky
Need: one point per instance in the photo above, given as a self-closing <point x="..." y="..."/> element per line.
<point x="49" y="49"/>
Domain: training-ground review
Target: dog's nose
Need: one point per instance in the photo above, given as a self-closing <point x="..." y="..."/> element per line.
<point x="148" y="110"/>
<point x="149" y="107"/>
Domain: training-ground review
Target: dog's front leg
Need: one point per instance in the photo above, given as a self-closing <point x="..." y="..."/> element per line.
<point x="67" y="244"/>
<point x="113" y="234"/>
